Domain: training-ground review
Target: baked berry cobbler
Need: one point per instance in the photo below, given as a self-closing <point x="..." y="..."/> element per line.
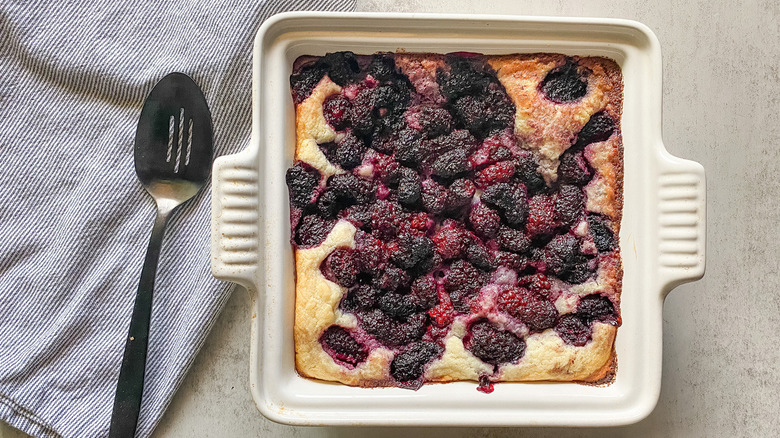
<point x="455" y="217"/>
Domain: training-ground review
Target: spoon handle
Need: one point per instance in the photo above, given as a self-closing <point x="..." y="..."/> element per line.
<point x="127" y="402"/>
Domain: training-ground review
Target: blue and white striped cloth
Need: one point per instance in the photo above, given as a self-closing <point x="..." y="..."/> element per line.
<point x="74" y="221"/>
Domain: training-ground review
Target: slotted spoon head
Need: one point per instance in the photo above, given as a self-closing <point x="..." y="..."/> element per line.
<point x="174" y="141"/>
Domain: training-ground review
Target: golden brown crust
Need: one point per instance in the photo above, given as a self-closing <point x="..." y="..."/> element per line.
<point x="541" y="126"/>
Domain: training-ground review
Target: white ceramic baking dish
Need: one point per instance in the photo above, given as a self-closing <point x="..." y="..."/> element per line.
<point x="662" y="237"/>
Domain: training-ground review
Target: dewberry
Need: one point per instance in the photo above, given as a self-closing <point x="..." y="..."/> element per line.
<point x="342" y="264"/>
<point x="596" y="307"/>
<point x="537" y="313"/>
<point x="392" y="332"/>
<point x="508" y="199"/>
<point x="572" y="330"/>
<point x="513" y="240"/>
<point x="542" y="211"/>
<point x="602" y="233"/>
<point x="574" y="168"/>
<point x="342" y="347"/>
<point x="336" y="110"/>
<point x="599" y="128"/>
<point x="569" y="203"/>
<point x="301" y="182"/>
<point x="493" y="345"/>
<point x="409" y="186"/>
<point x="564" y="84"/>
<point x="312" y="230"/>
<point x="484" y="221"/>
<point x="397" y="306"/>
<point x="459" y="195"/>
<point x="423" y="292"/>
<point x="410" y="364"/>
<point x="349" y="151"/>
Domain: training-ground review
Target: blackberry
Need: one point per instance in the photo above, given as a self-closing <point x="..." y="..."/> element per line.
<point x="410" y="364"/>
<point x="342" y="347"/>
<point x="602" y="233"/>
<point x="493" y="345"/>
<point x="302" y="181"/>
<point x="564" y="84"/>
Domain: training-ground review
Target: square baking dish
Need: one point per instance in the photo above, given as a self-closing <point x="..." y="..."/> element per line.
<point x="662" y="232"/>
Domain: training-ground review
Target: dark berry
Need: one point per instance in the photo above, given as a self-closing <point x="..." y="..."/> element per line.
<point x="371" y="252"/>
<point x="493" y="345"/>
<point x="463" y="282"/>
<point x="484" y="221"/>
<point x="390" y="99"/>
<point x="479" y="256"/>
<point x="564" y="84"/>
<point x="484" y="113"/>
<point x="341" y="66"/>
<point x="408" y="148"/>
<point x="496" y="173"/>
<point x="537" y="283"/>
<point x="409" y="186"/>
<point x="513" y="240"/>
<point x="410" y="364"/>
<point x="349" y="151"/>
<point x="382" y="67"/>
<point x="569" y="204"/>
<point x="386" y="216"/>
<point x="434" y="196"/>
<point x="434" y="121"/>
<point x="579" y="271"/>
<point x="459" y="195"/>
<point x="561" y="253"/>
<point x="391" y="279"/>
<point x="526" y="169"/>
<point x="596" y="307"/>
<point x="386" y="169"/>
<point x="451" y="164"/>
<point x="362" y="114"/>
<point x="342" y="347"/>
<point x="537" y="313"/>
<point x="392" y="332"/>
<point x="459" y="139"/>
<point x="397" y="306"/>
<point x="301" y="182"/>
<point x="599" y="128"/>
<point x="350" y="188"/>
<point x="602" y="233"/>
<point x="358" y="215"/>
<point x="451" y="240"/>
<point x="329" y="204"/>
<point x="466" y="76"/>
<point x="510" y="200"/>
<point x="336" y="110"/>
<point x="304" y="81"/>
<point x="362" y="298"/>
<point x="572" y="330"/>
<point x="343" y="266"/>
<point x="513" y="261"/>
<point x="574" y="168"/>
<point x="312" y="230"/>
<point x="423" y="292"/>
<point x="413" y="252"/>
<point x="541" y="215"/>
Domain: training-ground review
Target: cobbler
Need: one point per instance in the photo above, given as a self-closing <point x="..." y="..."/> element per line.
<point x="456" y="217"/>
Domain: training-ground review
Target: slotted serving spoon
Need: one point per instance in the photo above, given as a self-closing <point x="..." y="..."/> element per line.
<point x="173" y="155"/>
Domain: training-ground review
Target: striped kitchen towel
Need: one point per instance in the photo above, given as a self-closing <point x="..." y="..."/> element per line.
<point x="75" y="222"/>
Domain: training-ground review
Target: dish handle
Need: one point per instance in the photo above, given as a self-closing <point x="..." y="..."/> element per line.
<point x="682" y="221"/>
<point x="235" y="219"/>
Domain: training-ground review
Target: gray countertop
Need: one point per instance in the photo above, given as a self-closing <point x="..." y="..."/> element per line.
<point x="721" y="361"/>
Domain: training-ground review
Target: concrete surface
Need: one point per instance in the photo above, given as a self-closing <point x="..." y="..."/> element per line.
<point x="721" y="359"/>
